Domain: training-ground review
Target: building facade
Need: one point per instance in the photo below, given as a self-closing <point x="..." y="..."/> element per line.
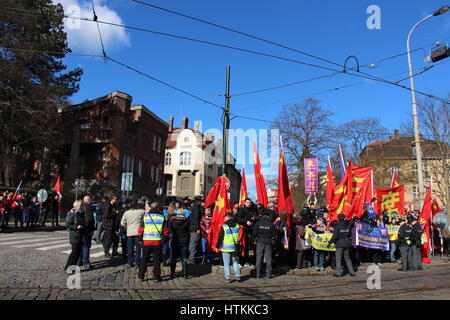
<point x="193" y="163"/>
<point x="108" y="136"/>
<point x="399" y="154"/>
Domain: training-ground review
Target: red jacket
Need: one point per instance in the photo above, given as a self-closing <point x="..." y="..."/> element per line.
<point x="205" y="224"/>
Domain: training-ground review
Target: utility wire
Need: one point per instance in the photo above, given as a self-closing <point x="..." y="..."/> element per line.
<point x="98" y="28"/>
<point x="361" y="75"/>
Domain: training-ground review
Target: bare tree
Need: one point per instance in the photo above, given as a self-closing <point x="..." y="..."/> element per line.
<point x="307" y="131"/>
<point x="357" y="134"/>
<point x="434" y="118"/>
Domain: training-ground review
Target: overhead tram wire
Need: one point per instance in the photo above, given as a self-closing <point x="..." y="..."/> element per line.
<point x="283" y="46"/>
<point x="98" y="28"/>
<point x="367" y="76"/>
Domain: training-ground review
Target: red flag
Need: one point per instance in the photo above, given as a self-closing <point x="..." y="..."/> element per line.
<point x="435" y="207"/>
<point x="57" y="188"/>
<point x="395" y="182"/>
<point x="213" y="193"/>
<point x="285" y="201"/>
<point x="244" y="194"/>
<point x="425" y="221"/>
<point x="349" y="182"/>
<point x="15" y="200"/>
<point x="260" y="184"/>
<point x="330" y="183"/>
<point x="221" y="208"/>
<point x="391" y="200"/>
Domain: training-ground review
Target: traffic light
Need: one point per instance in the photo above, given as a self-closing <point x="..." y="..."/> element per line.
<point x="439" y="53"/>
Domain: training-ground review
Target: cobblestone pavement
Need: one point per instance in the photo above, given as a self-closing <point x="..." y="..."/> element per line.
<point x="32" y="263"/>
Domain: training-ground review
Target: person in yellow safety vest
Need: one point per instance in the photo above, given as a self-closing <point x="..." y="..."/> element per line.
<point x="152" y="234"/>
<point x="393" y="237"/>
<point x="226" y="242"/>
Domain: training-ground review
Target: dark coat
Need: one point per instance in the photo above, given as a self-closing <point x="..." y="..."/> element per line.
<point x="264" y="231"/>
<point x="417" y="235"/>
<point x="300" y="232"/>
<point x="179" y="226"/>
<point x="109" y="216"/>
<point x="244" y="215"/>
<point x="99" y="213"/>
<point x="342" y="235"/>
<point x="194" y="218"/>
<point x="405" y="233"/>
<point x="88" y="211"/>
<point x="74" y="219"/>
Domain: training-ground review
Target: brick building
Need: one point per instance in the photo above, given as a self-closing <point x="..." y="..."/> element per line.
<point x="107" y="136"/>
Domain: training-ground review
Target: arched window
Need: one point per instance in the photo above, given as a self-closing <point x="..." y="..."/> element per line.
<point x="185" y="158"/>
<point x="168" y="159"/>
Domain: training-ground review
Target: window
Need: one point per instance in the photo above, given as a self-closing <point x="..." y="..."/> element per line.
<point x="185" y="158"/>
<point x="152" y="172"/>
<point x="140" y="168"/>
<point x="159" y="144"/>
<point x="157" y="174"/>
<point x="394" y="168"/>
<point x="416" y="193"/>
<point x="168" y="159"/>
<point x="154" y="142"/>
<point x="85" y="125"/>
<point x="414" y="150"/>
<point x="125" y="162"/>
<point x="82" y="165"/>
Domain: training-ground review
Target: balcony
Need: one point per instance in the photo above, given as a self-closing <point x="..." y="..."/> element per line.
<point x="90" y="135"/>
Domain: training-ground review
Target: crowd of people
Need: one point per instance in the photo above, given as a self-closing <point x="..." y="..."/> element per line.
<point x="26" y="210"/>
<point x="148" y="233"/>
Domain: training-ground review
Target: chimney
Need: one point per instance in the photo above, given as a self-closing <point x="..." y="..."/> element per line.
<point x="197" y="126"/>
<point x="185" y="122"/>
<point x="171" y="124"/>
<point x="396" y="133"/>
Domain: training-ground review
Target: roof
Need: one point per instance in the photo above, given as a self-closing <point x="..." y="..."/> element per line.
<point x="147" y="111"/>
<point x="93" y="103"/>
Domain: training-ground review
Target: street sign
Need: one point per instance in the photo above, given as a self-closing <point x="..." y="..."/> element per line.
<point x="159" y="192"/>
<point x="42" y="195"/>
<point x="127" y="181"/>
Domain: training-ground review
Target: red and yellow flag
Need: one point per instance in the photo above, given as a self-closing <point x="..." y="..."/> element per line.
<point x="330" y="184"/>
<point x="259" y="178"/>
<point x="244" y="194"/>
<point x="391" y="200"/>
<point x="285" y="201"/>
<point x="435" y="207"/>
<point x="352" y="192"/>
<point x="57" y="188"/>
<point x="395" y="182"/>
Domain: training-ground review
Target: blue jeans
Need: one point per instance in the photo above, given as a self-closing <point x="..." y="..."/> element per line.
<point x="180" y="251"/>
<point x="319" y="257"/>
<point x="227" y="256"/>
<point x="124" y="243"/>
<point x="83" y="259"/>
<point x="208" y="256"/>
<point x="392" y="251"/>
<point x="133" y="243"/>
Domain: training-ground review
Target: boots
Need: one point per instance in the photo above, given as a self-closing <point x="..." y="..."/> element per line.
<point x="185" y="271"/>
<point x="173" y="267"/>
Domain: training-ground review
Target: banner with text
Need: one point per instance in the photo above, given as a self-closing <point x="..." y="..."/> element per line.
<point x="311" y="175"/>
<point x="319" y="241"/>
<point x="391" y="200"/>
<point x="372" y="237"/>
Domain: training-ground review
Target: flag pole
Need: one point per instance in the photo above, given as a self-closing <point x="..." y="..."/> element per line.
<point x="392" y="180"/>
<point x="431" y="216"/>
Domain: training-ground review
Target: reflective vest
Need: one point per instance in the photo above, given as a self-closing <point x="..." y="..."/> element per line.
<point x="153" y="225"/>
<point x="230" y="238"/>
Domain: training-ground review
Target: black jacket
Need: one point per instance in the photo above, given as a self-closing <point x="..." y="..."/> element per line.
<point x="74" y="219"/>
<point x="88" y="211"/>
<point x="99" y="212"/>
<point x="405" y="233"/>
<point x="417" y="235"/>
<point x="264" y="230"/>
<point x="273" y="215"/>
<point x="244" y="215"/>
<point x="194" y="218"/>
<point x="179" y="226"/>
<point x="342" y="235"/>
<point x="109" y="216"/>
<point x="231" y="223"/>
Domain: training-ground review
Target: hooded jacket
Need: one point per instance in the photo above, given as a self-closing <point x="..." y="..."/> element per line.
<point x="179" y="226"/>
<point x="342" y="235"/>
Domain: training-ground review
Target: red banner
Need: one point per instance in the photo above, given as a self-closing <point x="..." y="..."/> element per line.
<point x="391" y="200"/>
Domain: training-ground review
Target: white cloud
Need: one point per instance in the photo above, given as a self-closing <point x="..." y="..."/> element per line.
<point x="83" y="35"/>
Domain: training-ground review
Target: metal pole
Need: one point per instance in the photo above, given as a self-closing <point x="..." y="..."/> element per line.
<point x="226" y="123"/>
<point x="415" y="117"/>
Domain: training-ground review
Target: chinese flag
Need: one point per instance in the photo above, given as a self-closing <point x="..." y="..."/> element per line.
<point x="221" y="208"/>
<point x="284" y="192"/>
<point x="391" y="200"/>
<point x="213" y="193"/>
<point x="244" y="194"/>
<point x="358" y="184"/>
<point x="395" y="182"/>
<point x="435" y="207"/>
<point x="330" y="183"/>
<point x="425" y="221"/>
<point x="260" y="184"/>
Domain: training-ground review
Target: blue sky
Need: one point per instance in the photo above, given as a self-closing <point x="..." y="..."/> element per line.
<point x="329" y="29"/>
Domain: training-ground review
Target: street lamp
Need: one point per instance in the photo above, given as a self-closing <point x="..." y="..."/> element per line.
<point x="442" y="10"/>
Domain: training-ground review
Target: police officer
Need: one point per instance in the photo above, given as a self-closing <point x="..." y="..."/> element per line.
<point x="342" y="238"/>
<point x="416" y="244"/>
<point x="264" y="232"/>
<point x="405" y="235"/>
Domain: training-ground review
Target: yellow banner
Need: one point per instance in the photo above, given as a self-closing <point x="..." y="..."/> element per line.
<point x="393" y="232"/>
<point x="319" y="241"/>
